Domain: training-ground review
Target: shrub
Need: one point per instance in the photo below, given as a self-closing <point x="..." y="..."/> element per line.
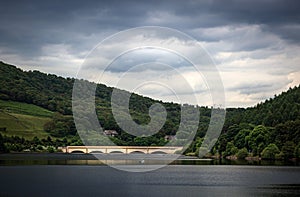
<point x="242" y="154"/>
<point x="297" y="151"/>
<point x="288" y="150"/>
<point x="270" y="152"/>
<point x="279" y="156"/>
<point x="50" y="149"/>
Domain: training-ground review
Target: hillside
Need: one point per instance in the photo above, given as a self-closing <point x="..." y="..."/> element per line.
<point x="22" y="119"/>
<point x="282" y="108"/>
<point x="24" y="108"/>
<point x="48" y="97"/>
<point x="54" y="93"/>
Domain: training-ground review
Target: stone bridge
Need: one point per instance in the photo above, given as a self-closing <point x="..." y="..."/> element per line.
<point x="122" y="149"/>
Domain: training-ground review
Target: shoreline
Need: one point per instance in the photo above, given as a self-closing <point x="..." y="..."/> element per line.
<point x="123" y="159"/>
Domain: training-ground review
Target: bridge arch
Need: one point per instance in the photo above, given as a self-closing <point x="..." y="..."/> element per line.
<point x="77" y="151"/>
<point x="137" y="152"/>
<point x="159" y="152"/>
<point x="116" y="152"/>
<point x="96" y="152"/>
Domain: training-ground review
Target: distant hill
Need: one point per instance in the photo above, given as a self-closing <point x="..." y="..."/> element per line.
<point x="280" y="109"/>
<point x="33" y="87"/>
<point x="46" y="99"/>
<point x="54" y="94"/>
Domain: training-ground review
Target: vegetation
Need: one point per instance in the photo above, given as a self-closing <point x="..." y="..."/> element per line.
<point x="242" y="153"/>
<point x="24" y="108"/>
<point x="270" y="152"/>
<point x="27" y="126"/>
<point x="35" y="114"/>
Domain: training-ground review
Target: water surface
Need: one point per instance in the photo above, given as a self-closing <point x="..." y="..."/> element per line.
<point x="84" y="175"/>
<point x="173" y="180"/>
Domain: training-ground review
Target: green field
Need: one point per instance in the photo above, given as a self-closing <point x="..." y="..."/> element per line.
<point x="24" y="108"/>
<point x="23" y="120"/>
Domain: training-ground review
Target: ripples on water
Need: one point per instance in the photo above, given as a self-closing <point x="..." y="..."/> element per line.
<point x="82" y="175"/>
<point x="121" y="159"/>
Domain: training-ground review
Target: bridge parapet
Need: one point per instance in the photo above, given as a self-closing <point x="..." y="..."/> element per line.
<point x="122" y="149"/>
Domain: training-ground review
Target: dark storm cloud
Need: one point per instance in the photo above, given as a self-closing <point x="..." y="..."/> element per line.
<point x="257" y="11"/>
<point x="28" y="25"/>
<point x="55" y="36"/>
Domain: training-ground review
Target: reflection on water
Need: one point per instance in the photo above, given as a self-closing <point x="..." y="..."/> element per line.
<point x="84" y="175"/>
<point x="173" y="180"/>
<point x="121" y="159"/>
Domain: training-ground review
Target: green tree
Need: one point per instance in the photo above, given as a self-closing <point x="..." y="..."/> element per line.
<point x="221" y="145"/>
<point x="50" y="149"/>
<point x="288" y="131"/>
<point x="288" y="150"/>
<point x="297" y="151"/>
<point x="270" y="152"/>
<point x="3" y="147"/>
<point x="240" y="138"/>
<point x="36" y="140"/>
<point x="257" y="139"/>
<point x="242" y="153"/>
<point x="230" y="149"/>
<point x="232" y="131"/>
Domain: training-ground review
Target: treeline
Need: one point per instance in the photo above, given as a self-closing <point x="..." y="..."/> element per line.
<point x="279" y="142"/>
<point x="269" y="130"/>
<point x="280" y="109"/>
<point x="20" y="144"/>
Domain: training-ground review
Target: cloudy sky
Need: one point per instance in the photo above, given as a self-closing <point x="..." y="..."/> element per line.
<point x="255" y="45"/>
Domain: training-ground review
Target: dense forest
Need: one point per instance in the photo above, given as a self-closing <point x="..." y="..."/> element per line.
<point x="270" y="130"/>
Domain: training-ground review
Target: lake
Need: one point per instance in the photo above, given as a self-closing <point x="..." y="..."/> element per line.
<point x="80" y="179"/>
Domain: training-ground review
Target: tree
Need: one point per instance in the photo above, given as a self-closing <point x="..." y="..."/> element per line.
<point x="60" y="126"/>
<point x="297" y="151"/>
<point x="288" y="131"/>
<point x="240" y="138"/>
<point x="36" y="140"/>
<point x="3" y="148"/>
<point x="257" y="139"/>
<point x="232" y="131"/>
<point x="50" y="149"/>
<point x="221" y="144"/>
<point x="270" y="152"/>
<point x="242" y="154"/>
<point x="288" y="150"/>
<point x="230" y="149"/>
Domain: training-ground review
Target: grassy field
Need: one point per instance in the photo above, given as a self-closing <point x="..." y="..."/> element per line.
<point x="24" y="108"/>
<point x="26" y="126"/>
<point x="23" y="120"/>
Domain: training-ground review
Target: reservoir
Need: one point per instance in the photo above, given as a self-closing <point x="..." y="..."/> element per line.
<point x="35" y="178"/>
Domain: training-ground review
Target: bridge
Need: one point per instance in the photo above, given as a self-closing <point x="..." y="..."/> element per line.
<point x="122" y="149"/>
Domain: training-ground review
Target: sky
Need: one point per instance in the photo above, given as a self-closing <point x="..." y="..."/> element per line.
<point x="254" y="45"/>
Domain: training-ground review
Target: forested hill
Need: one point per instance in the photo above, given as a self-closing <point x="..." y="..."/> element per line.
<point x="45" y="90"/>
<point x="279" y="109"/>
<point x="54" y="93"/>
<point x="276" y="120"/>
<point x="282" y="108"/>
<point x="50" y="91"/>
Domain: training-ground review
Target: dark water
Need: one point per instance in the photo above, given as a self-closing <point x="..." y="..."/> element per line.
<point x="122" y="159"/>
<point x="173" y="180"/>
<point x="82" y="175"/>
